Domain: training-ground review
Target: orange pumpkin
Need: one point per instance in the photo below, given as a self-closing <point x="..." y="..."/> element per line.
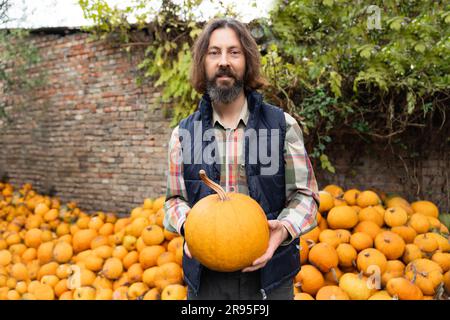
<point x="407" y="233"/>
<point x="309" y="279"/>
<point x="427" y="208"/>
<point x="347" y="255"/>
<point x="174" y="292"/>
<point x="369" y="227"/>
<point x="370" y="258"/>
<point x="350" y="196"/>
<point x="167" y="274"/>
<point x="326" y="201"/>
<point x="390" y="244"/>
<point x="426" y="274"/>
<point x="394" y="269"/>
<point x="412" y="252"/>
<point x="371" y="214"/>
<point x="324" y="257"/>
<point x="331" y="293"/>
<point x="403" y="289"/>
<point x="419" y="222"/>
<point x="226" y="231"/>
<point x="395" y="216"/>
<point x="342" y="217"/>
<point x="367" y="198"/>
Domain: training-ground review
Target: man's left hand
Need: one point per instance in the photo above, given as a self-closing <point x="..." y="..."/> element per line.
<point x="278" y="234"/>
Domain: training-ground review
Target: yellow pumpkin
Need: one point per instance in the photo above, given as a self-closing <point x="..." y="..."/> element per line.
<point x="369" y="227"/>
<point x="426" y="242"/>
<point x="381" y="295"/>
<point x="419" y="223"/>
<point x="403" y="289"/>
<point x="331" y="293"/>
<point x="407" y="233"/>
<point x="309" y="279"/>
<point x="426" y="274"/>
<point x="62" y="252"/>
<point x="342" y="217"/>
<point x="302" y="296"/>
<point x="82" y="239"/>
<point x="153" y="235"/>
<point x="367" y="198"/>
<point x="350" y="196"/>
<point x="394" y="269"/>
<point x="442" y="259"/>
<point x="347" y="255"/>
<point x="324" y="257"/>
<point x="361" y="241"/>
<point x="371" y="261"/>
<point x="446" y="280"/>
<point x="399" y="202"/>
<point x="371" y="214"/>
<point x="330" y="236"/>
<point x="112" y="269"/>
<point x="174" y="292"/>
<point x="326" y="201"/>
<point x="390" y="244"/>
<point x="152" y="294"/>
<point x="334" y="190"/>
<point x="137" y="290"/>
<point x="226" y="231"/>
<point x="427" y="208"/>
<point x="356" y="286"/>
<point x="412" y="252"/>
<point x="395" y="216"/>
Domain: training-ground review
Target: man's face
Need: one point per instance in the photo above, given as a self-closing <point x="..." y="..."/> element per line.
<point x="224" y="65"/>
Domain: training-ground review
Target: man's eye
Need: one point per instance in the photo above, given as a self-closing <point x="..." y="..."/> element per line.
<point x="235" y="52"/>
<point x="213" y="52"/>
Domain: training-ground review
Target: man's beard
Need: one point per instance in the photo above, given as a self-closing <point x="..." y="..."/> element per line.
<point x="224" y="94"/>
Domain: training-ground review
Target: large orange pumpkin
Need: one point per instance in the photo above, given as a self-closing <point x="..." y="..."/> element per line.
<point x="226" y="231"/>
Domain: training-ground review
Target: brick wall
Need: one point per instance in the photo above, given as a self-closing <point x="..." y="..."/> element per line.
<point x="98" y="139"/>
<point x="90" y="132"/>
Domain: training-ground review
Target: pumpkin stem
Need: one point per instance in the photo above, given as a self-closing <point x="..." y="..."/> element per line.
<point x="335" y="278"/>
<point x="217" y="188"/>
<point x="414" y="270"/>
<point x="311" y="243"/>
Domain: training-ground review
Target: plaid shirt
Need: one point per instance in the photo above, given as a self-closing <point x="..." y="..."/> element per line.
<point x="302" y="196"/>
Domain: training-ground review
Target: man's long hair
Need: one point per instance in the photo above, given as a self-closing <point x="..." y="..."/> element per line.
<point x="252" y="76"/>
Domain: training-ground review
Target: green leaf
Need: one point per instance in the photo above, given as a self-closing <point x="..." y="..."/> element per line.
<point x="411" y="102"/>
<point x="335" y="83"/>
<point x="420" y="47"/>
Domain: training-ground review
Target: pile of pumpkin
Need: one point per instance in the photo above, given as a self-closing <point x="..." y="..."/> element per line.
<point x="368" y="245"/>
<point x="53" y="251"/>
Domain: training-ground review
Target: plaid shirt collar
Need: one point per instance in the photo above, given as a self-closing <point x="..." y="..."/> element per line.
<point x="244" y="115"/>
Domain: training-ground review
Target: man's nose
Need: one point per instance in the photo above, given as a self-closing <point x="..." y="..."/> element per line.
<point x="223" y="62"/>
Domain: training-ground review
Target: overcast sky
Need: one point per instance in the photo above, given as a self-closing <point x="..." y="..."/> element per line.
<point x="67" y="13"/>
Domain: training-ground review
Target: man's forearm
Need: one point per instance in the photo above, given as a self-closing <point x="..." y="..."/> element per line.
<point x="176" y="210"/>
<point x="300" y="214"/>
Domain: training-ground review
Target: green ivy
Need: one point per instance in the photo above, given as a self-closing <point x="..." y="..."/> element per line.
<point x="17" y="55"/>
<point x="332" y="64"/>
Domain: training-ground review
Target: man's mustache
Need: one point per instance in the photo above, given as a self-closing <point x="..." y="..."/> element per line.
<point x="225" y="72"/>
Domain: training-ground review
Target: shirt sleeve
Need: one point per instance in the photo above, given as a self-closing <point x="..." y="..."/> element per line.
<point x="302" y="192"/>
<point x="176" y="207"/>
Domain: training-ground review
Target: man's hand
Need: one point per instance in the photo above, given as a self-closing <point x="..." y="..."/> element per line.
<point x="278" y="234"/>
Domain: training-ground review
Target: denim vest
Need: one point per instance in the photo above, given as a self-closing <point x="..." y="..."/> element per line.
<point x="267" y="189"/>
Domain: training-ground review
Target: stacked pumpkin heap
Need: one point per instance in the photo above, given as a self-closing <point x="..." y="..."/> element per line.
<point x="54" y="251"/>
<point x="370" y="246"/>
